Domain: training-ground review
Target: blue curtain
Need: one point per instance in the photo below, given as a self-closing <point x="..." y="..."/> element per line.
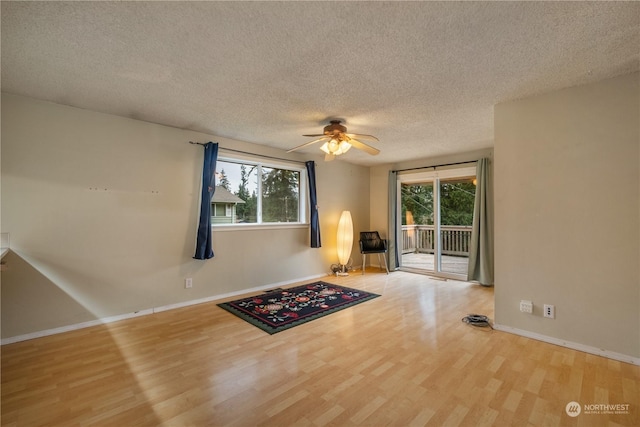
<point x="204" y="247"/>
<point x="392" y="241"/>
<point x="481" y="245"/>
<point x="313" y="202"/>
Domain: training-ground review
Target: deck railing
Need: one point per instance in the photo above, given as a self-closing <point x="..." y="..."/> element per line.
<point x="420" y="239"/>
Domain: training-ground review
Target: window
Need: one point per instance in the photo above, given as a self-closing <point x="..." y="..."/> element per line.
<point x="266" y="193"/>
<point x="218" y="210"/>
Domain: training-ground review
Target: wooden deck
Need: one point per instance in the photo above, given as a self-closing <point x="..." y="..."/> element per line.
<point x="450" y="264"/>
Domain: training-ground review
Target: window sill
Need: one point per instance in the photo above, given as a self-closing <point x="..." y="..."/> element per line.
<point x="242" y="227"/>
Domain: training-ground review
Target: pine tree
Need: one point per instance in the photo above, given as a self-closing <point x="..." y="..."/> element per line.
<point x="224" y="181"/>
<point x="280" y="195"/>
<point x="246" y="212"/>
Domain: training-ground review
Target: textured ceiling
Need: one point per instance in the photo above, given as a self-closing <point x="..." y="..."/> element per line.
<point x="422" y="76"/>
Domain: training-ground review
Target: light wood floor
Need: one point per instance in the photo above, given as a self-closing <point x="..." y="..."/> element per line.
<point x="404" y="359"/>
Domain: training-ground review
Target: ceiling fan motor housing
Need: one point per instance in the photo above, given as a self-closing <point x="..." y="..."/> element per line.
<point x="334" y="128"/>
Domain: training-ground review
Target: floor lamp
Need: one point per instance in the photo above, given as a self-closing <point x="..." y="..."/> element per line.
<point x="345" y="242"/>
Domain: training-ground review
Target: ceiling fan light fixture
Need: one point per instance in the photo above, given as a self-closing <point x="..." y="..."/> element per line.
<point x="335" y="147"/>
<point x="337" y="141"/>
<point x="325" y="148"/>
<point x="344" y="147"/>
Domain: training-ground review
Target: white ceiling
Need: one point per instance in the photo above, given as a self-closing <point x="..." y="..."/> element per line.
<point x="422" y="76"/>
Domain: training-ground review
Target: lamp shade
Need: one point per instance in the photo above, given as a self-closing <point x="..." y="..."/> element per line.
<point x="345" y="237"/>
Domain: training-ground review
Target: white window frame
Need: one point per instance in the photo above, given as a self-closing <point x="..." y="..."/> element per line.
<point x="276" y="164"/>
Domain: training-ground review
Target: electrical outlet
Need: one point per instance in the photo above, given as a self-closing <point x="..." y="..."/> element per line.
<point x="526" y="306"/>
<point x="188" y="283"/>
<point x="550" y="311"/>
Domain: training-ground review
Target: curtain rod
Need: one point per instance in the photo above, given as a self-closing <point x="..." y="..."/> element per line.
<point x="252" y="154"/>
<point x="436" y="166"/>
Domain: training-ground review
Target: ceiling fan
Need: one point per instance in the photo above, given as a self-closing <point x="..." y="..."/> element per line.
<point x="337" y="141"/>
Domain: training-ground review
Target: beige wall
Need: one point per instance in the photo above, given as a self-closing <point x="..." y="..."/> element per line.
<point x="102" y="213"/>
<point x="567" y="214"/>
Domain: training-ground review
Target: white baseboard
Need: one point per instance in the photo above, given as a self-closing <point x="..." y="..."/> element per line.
<point x="569" y="344"/>
<point x="146" y="312"/>
<point x="74" y="327"/>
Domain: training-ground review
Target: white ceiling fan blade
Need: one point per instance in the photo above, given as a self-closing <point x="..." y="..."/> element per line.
<point x="362" y="136"/>
<point x="308" y="143"/>
<point x="364" y="147"/>
<point x="329" y="157"/>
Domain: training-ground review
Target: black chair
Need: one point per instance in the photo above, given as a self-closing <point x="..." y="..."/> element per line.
<point x="371" y="243"/>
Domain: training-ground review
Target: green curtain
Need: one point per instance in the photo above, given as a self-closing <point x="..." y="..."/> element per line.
<point x="392" y="238"/>
<point x="481" y="245"/>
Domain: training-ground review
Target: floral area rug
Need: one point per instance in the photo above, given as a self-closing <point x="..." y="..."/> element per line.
<point x="285" y="308"/>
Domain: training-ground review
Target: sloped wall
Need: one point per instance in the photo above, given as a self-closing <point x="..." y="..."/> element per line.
<point x="102" y="214"/>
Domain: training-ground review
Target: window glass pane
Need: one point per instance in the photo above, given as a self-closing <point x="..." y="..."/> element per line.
<point x="457" y="197"/>
<point x="417" y="204"/>
<point x="241" y="180"/>
<point x="280" y="194"/>
<point x="418" y="230"/>
<point x="256" y="193"/>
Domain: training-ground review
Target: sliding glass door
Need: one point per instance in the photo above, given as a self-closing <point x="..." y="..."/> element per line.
<point x="417" y="224"/>
<point x="456" y="218"/>
<point x="436" y="213"/>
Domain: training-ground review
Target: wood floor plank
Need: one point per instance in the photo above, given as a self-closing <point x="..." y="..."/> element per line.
<point x="403" y="359"/>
